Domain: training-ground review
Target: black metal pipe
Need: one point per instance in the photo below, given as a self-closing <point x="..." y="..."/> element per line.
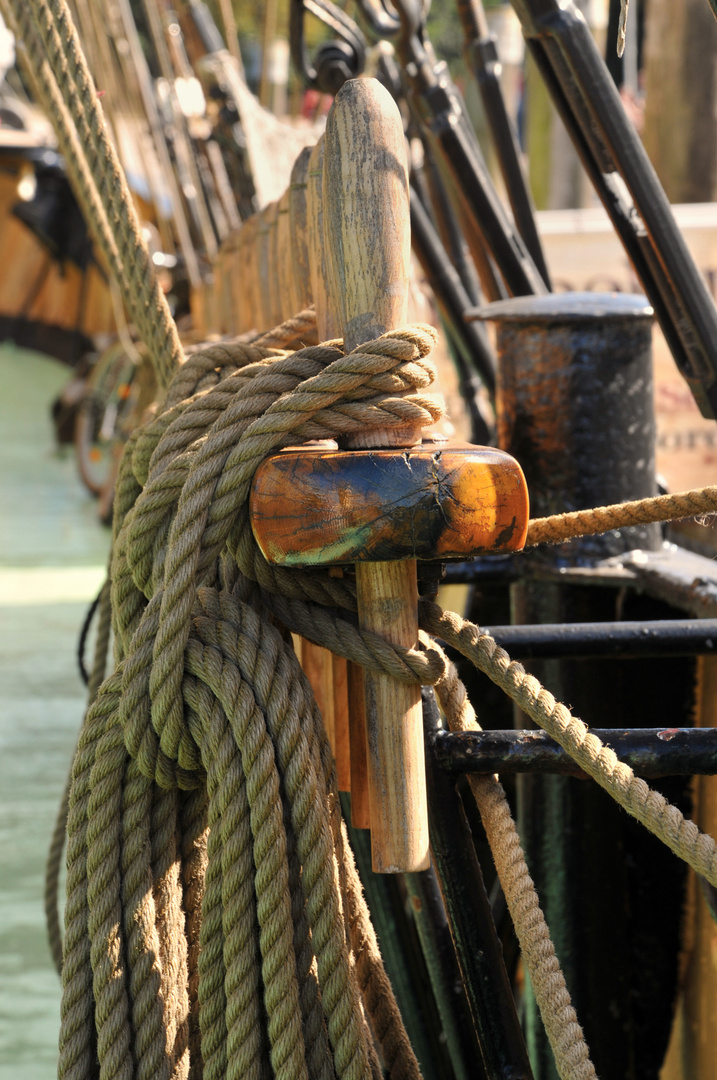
<point x="474" y="935"/>
<point x="482" y="57"/>
<point x="452" y="298"/>
<point x="505" y="568"/>
<point x="454" y="143"/>
<point x="615" y="159"/>
<point x="651" y="752"/>
<point x="664" y="637"/>
<point x="447" y="224"/>
<point x="575" y="388"/>
<point x="434" y="933"/>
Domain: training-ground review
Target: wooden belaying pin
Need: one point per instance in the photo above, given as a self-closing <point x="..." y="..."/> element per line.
<point x="382" y="508"/>
<point x="368" y="244"/>
<point x="300" y="276"/>
<point x="326" y="672"/>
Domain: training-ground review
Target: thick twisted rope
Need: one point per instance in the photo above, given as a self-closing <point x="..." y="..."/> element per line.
<point x="559" y="527"/>
<point x="682" y="836"/>
<point x="208" y="709"/>
<point x="551" y="994"/>
<point x="57" y="843"/>
<point x="61" y="76"/>
<point x="266" y="969"/>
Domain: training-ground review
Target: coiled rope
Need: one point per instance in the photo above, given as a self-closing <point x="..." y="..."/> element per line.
<point x="209" y="884"/>
<point x="214" y="921"/>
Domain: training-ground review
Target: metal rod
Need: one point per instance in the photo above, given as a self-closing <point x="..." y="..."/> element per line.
<point x="651" y="752"/>
<point x="434" y="933"/>
<point x="474" y="935"/>
<point x="146" y="86"/>
<point x="435" y="101"/>
<point x="666" y="637"/>
<point x="447" y="224"/>
<point x="481" y="55"/>
<point x="615" y="159"/>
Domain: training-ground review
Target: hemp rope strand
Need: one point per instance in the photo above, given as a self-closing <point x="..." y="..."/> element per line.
<point x="97" y="174"/>
<point x="249" y="726"/>
<point x="599" y="761"/>
<point x="220" y="676"/>
<point x="565" y="1034"/>
<point x="143" y="292"/>
<point x="57" y="842"/>
<point x="559" y="527"/>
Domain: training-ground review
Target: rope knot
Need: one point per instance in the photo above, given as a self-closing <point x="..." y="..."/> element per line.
<point x="182" y="509"/>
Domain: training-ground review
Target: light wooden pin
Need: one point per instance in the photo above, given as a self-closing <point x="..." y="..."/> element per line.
<point x="367" y="239"/>
<point x="246" y="291"/>
<point x="283" y="268"/>
<point x="300" y="276"/>
<point x="330" y="671"/>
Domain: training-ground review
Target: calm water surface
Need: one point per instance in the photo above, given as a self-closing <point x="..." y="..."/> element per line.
<point x="52" y="552"/>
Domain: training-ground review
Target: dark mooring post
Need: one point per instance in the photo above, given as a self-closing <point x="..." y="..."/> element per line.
<point x="576" y="410"/>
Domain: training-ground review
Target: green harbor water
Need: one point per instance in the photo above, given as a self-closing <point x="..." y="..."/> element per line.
<point x="52" y="555"/>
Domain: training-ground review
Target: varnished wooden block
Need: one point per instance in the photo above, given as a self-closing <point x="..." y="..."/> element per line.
<point x="317" y="507"/>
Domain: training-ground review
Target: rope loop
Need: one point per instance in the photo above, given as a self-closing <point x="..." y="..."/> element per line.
<point x="188" y="474"/>
<point x="209" y="875"/>
<point x="205" y="841"/>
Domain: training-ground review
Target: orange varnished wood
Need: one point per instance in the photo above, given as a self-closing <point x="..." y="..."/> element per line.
<point x="360" y="808"/>
<point x="316" y="662"/>
<point x="341" y="721"/>
<point x="367" y="239"/>
<point x="437" y="501"/>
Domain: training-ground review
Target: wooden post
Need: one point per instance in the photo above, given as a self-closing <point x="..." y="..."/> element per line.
<point x="300" y="277"/>
<point x="327" y="319"/>
<point x="246" y="294"/>
<point x="330" y="671"/>
<point x="283" y="266"/>
<point x="367" y="241"/>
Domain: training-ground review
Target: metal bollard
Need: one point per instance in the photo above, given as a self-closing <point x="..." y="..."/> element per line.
<point x="575" y="407"/>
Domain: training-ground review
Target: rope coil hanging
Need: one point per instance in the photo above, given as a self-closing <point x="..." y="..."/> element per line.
<point x="207" y="870"/>
<point x="220" y="737"/>
<point x="214" y="921"/>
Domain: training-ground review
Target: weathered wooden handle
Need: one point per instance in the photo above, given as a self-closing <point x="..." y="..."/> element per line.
<point x="368" y="242"/>
<point x="300" y="275"/>
<point x="329" y="672"/>
<point x="328" y="320"/>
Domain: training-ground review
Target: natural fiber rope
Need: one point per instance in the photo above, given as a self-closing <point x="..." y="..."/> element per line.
<point x="683" y="504"/>
<point x="57" y="843"/>
<point x="597" y="760"/>
<point x="268" y="964"/>
<point x="128" y="867"/>
<point x="135" y="882"/>
<point x="62" y="78"/>
<point x="566" y="1037"/>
